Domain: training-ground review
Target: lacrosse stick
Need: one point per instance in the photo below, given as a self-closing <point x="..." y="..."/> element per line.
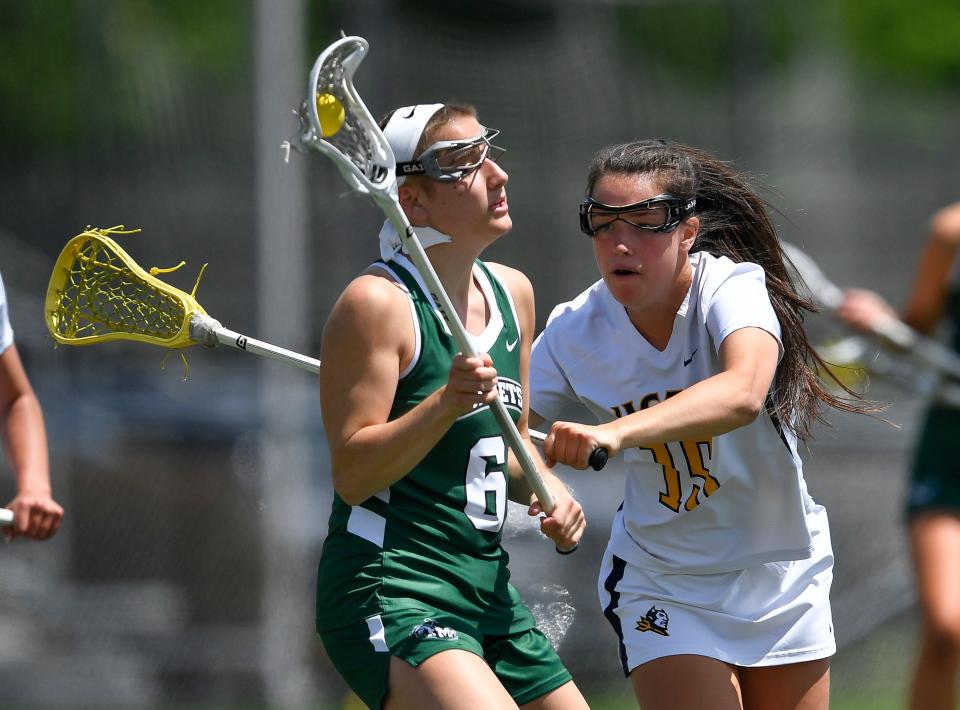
<point x="6" y="516"/>
<point x="98" y="293"/>
<point x="892" y="332"/>
<point x="361" y="153"/>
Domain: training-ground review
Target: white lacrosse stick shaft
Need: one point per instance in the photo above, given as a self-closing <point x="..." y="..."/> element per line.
<point x="892" y="331"/>
<point x="6" y="516"/>
<point x="208" y="331"/>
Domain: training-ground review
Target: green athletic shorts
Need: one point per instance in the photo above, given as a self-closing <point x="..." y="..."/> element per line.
<point x="525" y="662"/>
<point x="935" y="478"/>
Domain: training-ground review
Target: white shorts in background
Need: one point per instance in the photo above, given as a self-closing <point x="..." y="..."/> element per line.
<point x="764" y="615"/>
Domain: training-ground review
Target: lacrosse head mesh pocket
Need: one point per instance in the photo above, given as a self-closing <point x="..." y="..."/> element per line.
<point x="358" y="148"/>
<point x="98" y="293"/>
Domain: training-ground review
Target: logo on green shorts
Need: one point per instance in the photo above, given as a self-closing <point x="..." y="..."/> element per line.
<point x="430" y="629"/>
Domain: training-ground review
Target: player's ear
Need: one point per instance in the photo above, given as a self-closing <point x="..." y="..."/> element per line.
<point x="689" y="228"/>
<point x="411" y="199"/>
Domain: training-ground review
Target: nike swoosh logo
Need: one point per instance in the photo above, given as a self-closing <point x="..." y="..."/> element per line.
<point x="690" y="359"/>
<point x="511" y="346"/>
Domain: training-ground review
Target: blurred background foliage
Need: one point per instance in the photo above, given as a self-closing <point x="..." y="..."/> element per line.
<point x="61" y="59"/>
<point x="906" y="43"/>
<point x="53" y="52"/>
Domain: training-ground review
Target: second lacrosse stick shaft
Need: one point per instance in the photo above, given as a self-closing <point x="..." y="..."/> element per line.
<point x="207" y="331"/>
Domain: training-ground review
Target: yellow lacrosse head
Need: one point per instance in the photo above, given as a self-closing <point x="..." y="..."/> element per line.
<point x="851" y="375"/>
<point x="97" y="293"/>
<point x="844" y="364"/>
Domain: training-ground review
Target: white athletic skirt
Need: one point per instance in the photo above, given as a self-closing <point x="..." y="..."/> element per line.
<point x="764" y="615"/>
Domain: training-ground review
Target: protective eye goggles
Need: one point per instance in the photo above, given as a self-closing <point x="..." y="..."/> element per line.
<point x="449" y="161"/>
<point x="658" y="214"/>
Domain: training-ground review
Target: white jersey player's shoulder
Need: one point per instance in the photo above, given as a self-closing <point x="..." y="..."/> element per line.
<point x="711" y="272"/>
<point x="594" y="310"/>
<point x="732" y="295"/>
<point x="580" y="327"/>
<point x="586" y="304"/>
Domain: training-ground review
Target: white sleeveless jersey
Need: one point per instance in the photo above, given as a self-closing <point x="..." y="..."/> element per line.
<point x="691" y="506"/>
<point x="6" y="332"/>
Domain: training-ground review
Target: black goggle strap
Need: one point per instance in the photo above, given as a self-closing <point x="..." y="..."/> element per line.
<point x="677" y="210"/>
<point x="410" y="167"/>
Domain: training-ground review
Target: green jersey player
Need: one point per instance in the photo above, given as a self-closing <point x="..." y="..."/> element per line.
<point x="414" y="603"/>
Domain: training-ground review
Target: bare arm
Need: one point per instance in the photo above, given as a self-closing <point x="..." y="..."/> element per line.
<point x="925" y="304"/>
<point x="863" y="308"/>
<point x="726" y="401"/>
<point x="367" y="341"/>
<point x="36" y="514"/>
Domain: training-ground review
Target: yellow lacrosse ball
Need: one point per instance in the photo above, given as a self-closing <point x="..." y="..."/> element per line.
<point x="331" y="114"/>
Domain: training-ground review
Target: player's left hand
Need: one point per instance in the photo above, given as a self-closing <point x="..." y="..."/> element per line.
<point x="566" y="523"/>
<point x="571" y="444"/>
<point x="36" y="516"/>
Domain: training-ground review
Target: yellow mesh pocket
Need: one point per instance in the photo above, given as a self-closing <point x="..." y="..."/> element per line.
<point x="97" y="293"/>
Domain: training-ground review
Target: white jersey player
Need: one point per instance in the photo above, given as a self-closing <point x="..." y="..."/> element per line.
<point x="690" y="354"/>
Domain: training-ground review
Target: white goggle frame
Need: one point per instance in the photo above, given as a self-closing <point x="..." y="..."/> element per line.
<point x="452" y="170"/>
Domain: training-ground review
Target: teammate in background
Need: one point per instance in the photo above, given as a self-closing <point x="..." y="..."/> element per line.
<point x="414" y="604"/>
<point x="691" y="354"/>
<point x="36" y="514"/>
<point x="933" y="502"/>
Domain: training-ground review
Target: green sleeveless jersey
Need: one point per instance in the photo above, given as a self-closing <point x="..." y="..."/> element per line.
<point x="432" y="539"/>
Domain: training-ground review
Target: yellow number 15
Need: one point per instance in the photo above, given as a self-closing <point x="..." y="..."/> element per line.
<point x="695" y="453"/>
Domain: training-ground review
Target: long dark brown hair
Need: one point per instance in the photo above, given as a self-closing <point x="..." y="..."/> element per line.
<point x="735" y="222"/>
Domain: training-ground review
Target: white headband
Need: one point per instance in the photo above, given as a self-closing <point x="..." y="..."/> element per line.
<point x="403" y="132"/>
<point x="404" y="129"/>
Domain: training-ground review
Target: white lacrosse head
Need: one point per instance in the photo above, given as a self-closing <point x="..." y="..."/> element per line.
<point x="820" y="287"/>
<point x="358" y="149"/>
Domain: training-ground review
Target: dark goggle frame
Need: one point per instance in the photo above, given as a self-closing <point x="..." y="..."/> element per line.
<point x="450" y="161"/>
<point x="676" y="210"/>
